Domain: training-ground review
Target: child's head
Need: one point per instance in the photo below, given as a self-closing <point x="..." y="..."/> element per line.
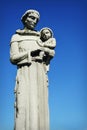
<point x="46" y="33"/>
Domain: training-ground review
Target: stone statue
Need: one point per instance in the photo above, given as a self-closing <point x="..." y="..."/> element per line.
<point x="31" y="51"/>
<point x="47" y="41"/>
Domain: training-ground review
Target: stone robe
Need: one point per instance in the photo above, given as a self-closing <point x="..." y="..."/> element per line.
<point x="31" y="88"/>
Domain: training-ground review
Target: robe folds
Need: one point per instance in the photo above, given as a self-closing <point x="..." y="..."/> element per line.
<point x="31" y="87"/>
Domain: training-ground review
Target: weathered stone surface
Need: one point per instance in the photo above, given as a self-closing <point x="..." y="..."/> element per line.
<point x="32" y="51"/>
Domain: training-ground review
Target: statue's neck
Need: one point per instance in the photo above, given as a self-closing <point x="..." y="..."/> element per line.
<point x="27" y="31"/>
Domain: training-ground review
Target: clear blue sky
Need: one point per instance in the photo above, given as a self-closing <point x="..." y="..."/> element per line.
<point x="68" y="70"/>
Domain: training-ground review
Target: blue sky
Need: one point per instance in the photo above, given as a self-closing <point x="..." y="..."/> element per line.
<point x="68" y="69"/>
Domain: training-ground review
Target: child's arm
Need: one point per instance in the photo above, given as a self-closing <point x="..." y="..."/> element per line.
<point x="50" y="43"/>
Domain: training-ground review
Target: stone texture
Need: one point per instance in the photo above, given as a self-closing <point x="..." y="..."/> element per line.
<point x="31" y="87"/>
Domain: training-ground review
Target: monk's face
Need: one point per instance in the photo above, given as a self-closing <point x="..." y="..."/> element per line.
<point x="31" y="21"/>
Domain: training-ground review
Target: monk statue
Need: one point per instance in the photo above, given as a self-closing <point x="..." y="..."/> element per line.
<point x="31" y="52"/>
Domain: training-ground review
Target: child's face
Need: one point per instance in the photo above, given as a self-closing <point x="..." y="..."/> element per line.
<point x="46" y="34"/>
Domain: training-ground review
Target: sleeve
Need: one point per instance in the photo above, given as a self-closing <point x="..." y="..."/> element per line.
<point x="48" y="51"/>
<point x="15" y="55"/>
<point x="40" y="43"/>
<point x="14" y="51"/>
